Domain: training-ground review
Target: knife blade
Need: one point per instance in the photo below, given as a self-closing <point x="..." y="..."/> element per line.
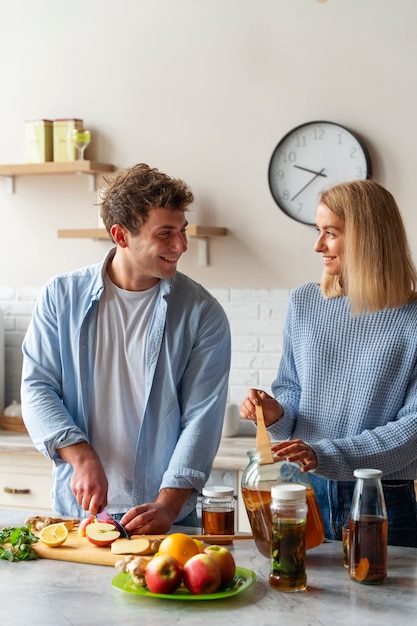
<point x="103" y="516"/>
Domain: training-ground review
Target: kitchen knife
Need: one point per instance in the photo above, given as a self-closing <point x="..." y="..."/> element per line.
<point x="103" y="516"/>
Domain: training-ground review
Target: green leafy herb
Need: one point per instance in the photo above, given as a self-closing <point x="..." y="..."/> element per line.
<point x="16" y="544"/>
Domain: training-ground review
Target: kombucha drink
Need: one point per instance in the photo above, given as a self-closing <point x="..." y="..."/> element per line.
<point x="288" y="555"/>
<point x="258" y="507"/>
<point x="368" y="549"/>
<point x="218" y="522"/>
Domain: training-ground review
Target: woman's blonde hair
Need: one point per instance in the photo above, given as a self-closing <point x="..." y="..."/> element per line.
<point x="378" y="271"/>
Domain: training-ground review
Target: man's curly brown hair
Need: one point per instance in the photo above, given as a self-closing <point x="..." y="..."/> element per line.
<point x="131" y="193"/>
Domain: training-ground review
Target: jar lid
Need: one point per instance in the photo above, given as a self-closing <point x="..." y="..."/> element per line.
<point x="289" y="491"/>
<point x="218" y="492"/>
<point x="367" y="473"/>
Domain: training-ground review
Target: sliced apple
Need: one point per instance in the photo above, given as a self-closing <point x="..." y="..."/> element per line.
<point x="132" y="546"/>
<point x="102" y="534"/>
<point x="84" y="523"/>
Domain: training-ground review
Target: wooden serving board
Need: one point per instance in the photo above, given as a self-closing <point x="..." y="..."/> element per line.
<point x="78" y="550"/>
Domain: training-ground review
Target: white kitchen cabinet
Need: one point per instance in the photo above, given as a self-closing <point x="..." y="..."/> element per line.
<point x="25" y="482"/>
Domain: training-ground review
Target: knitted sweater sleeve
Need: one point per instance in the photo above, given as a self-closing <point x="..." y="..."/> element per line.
<point x="348" y="385"/>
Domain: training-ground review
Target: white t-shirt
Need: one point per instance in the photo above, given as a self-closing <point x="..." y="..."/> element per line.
<point x="118" y="389"/>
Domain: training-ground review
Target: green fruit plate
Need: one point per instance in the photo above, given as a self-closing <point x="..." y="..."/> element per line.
<point x="244" y="578"/>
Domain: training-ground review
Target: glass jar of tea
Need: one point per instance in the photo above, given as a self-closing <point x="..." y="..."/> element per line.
<point x="288" y="540"/>
<point x="218" y="514"/>
<point x="257" y="481"/>
<point x="368" y="529"/>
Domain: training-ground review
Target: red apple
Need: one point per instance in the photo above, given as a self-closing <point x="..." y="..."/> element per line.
<point x="163" y="574"/>
<point x="224" y="560"/>
<point x="84" y="523"/>
<point x="101" y="534"/>
<point x="202" y="574"/>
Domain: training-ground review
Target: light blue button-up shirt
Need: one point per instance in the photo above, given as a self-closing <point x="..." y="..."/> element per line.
<point x="186" y="381"/>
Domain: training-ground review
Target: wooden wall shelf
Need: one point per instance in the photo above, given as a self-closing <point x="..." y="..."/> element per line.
<point x="200" y="233"/>
<point x="89" y="168"/>
<point x="101" y="233"/>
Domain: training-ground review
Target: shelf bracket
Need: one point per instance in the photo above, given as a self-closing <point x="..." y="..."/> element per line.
<point x="202" y="243"/>
<point x="9" y="183"/>
<point x="91" y="180"/>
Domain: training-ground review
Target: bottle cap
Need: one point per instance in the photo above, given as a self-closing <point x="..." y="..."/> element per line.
<point x="289" y="492"/>
<point x="218" y="492"/>
<point x="367" y="473"/>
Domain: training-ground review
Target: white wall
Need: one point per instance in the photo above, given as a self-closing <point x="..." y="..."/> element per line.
<point x="203" y="90"/>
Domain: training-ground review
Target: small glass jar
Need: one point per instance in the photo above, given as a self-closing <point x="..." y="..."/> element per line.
<point x="368" y="529"/>
<point x="218" y="513"/>
<point x="288" y="540"/>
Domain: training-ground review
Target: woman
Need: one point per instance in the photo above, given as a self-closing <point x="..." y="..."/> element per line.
<point x="345" y="395"/>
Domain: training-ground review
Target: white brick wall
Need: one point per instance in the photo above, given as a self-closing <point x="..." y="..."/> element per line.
<point x="17" y="306"/>
<point x="256" y="319"/>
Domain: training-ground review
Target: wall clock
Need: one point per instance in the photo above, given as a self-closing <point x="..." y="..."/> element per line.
<point x="310" y="158"/>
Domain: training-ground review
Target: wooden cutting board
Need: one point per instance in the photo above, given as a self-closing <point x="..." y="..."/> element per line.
<point x="78" y="550"/>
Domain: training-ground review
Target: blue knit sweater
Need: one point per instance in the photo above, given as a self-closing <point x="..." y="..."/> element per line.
<point x="348" y="385"/>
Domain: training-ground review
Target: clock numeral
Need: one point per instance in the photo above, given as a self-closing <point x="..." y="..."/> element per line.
<point x="289" y="157"/>
<point x="353" y="151"/>
<point x="279" y="174"/>
<point x="319" y="134"/>
<point x="360" y="172"/>
<point x="301" y="141"/>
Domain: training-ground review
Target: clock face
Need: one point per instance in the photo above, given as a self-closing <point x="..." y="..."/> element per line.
<point x="311" y="158"/>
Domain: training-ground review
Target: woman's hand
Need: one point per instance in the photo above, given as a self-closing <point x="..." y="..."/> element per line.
<point x="296" y="451"/>
<point x="272" y="410"/>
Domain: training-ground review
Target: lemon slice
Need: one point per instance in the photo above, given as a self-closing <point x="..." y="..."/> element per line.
<point x="54" y="535"/>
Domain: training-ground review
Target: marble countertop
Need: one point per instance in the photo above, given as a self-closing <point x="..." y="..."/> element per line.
<point x="56" y="593"/>
<point x="231" y="455"/>
<point x="16" y="443"/>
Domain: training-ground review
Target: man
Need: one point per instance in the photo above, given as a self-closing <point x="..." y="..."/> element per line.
<point x="126" y="364"/>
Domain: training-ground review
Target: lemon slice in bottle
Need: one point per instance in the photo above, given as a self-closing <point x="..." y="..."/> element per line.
<point x="54" y="535"/>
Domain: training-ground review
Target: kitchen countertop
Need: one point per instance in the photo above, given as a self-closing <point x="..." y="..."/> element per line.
<point x="57" y="593"/>
<point x="231" y="454"/>
<point x="16" y="443"/>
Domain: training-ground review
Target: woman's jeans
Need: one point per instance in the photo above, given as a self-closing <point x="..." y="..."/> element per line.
<point x="334" y="499"/>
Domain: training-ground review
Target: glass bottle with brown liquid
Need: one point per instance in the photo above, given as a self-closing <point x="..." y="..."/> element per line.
<point x="257" y="481"/>
<point x="368" y="529"/>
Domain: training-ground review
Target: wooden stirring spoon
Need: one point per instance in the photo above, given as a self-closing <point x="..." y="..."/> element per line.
<point x="263" y="444"/>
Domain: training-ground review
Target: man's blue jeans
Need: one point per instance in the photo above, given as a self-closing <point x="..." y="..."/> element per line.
<point x="334" y="499"/>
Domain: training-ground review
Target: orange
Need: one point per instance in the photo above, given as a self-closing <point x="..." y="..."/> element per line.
<point x="200" y="545"/>
<point x="54" y="535"/>
<point x="361" y="571"/>
<point x="179" y="545"/>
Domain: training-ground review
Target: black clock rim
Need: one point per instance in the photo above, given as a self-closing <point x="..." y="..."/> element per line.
<point x="293" y="130"/>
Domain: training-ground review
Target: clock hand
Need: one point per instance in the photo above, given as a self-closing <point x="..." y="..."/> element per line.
<point x="307" y="184"/>
<point x="312" y="171"/>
